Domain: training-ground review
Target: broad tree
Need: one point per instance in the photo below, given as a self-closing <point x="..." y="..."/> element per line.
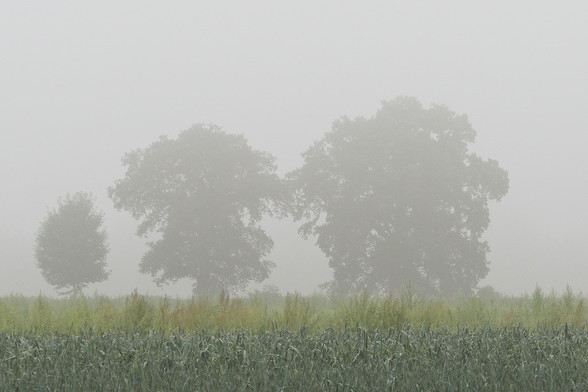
<point x="71" y="245"/>
<point x="202" y="196"/>
<point x="398" y="199"/>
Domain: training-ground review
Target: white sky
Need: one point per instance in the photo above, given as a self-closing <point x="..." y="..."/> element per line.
<point x="81" y="83"/>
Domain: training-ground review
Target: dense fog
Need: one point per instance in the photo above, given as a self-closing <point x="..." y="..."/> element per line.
<point x="82" y="84"/>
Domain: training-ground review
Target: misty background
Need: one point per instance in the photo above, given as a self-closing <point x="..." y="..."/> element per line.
<point x="82" y="83"/>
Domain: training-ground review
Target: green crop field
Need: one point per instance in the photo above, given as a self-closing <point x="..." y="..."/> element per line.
<point x="294" y="343"/>
<point x="487" y="359"/>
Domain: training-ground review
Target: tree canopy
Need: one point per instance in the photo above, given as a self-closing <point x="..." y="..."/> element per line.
<point x="398" y="199"/>
<point x="71" y="245"/>
<point x="202" y="195"/>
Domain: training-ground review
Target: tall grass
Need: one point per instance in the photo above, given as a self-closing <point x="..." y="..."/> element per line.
<point x="257" y="312"/>
<point x="294" y="343"/>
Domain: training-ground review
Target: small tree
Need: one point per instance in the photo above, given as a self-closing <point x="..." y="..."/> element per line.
<point x="71" y="245"/>
<point x="398" y="199"/>
<point x="203" y="194"/>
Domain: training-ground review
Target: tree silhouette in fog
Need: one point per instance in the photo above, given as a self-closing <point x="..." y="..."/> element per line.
<point x="202" y="195"/>
<point x="397" y="199"/>
<point x="71" y="245"/>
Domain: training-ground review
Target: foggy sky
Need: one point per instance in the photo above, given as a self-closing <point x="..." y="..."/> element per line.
<point x="81" y="83"/>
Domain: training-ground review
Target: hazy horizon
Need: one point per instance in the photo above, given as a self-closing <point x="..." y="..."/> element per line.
<point x="82" y="84"/>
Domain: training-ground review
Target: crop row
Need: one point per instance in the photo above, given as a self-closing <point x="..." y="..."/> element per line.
<point x="486" y="359"/>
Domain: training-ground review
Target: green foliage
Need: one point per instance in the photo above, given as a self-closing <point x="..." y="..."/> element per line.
<point x="398" y="198"/>
<point x="355" y="359"/>
<point x="137" y="313"/>
<point x="141" y="314"/>
<point x="71" y="245"/>
<point x="298" y="312"/>
<point x="318" y="343"/>
<point x="362" y="311"/>
<point x="204" y="194"/>
<point x="41" y="314"/>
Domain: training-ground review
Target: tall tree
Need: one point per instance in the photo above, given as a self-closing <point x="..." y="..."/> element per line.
<point x="71" y="245"/>
<point x="203" y="195"/>
<point x="397" y="200"/>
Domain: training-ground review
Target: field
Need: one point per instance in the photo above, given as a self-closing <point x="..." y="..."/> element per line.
<point x="294" y="343"/>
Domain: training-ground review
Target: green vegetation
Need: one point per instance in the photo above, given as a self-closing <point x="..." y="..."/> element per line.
<point x="268" y="342"/>
<point x="487" y="359"/>
<point x="263" y="311"/>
